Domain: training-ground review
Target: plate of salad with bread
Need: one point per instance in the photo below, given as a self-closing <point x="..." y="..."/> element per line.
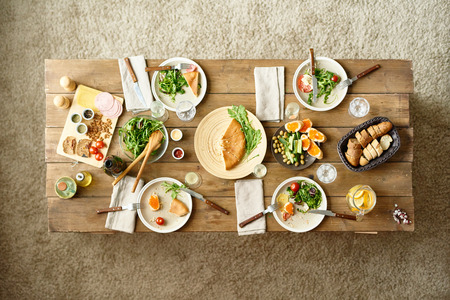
<point x="187" y="83"/>
<point x="329" y="73"/>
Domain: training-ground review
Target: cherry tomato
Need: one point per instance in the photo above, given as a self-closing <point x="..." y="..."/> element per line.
<point x="93" y="150"/>
<point x="99" y="156"/>
<point x="295" y="187"/>
<point x="335" y="78"/>
<point x="304" y="88"/>
<point x="99" y="144"/>
<point x="160" y="221"/>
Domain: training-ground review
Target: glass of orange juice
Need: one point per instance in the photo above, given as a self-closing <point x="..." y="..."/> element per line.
<point x="361" y="199"/>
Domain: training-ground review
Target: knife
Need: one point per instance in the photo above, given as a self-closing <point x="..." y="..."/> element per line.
<point x="161" y="68"/>
<point x="137" y="89"/>
<point x="270" y="209"/>
<point x="200" y="197"/>
<point x="313" y="75"/>
<point x="347" y="82"/>
<point x="332" y="214"/>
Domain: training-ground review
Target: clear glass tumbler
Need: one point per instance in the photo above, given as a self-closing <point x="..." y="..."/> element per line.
<point x="158" y="111"/>
<point x="260" y="171"/>
<point x="327" y="173"/>
<point x="291" y="112"/>
<point x="186" y="111"/>
<point x="359" y="107"/>
<point x="193" y="180"/>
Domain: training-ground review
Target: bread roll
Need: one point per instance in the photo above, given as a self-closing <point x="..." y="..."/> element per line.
<point x="385" y="127"/>
<point x="354" y="161"/>
<point x="353" y="144"/>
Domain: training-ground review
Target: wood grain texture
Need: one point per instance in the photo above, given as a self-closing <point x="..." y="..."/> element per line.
<point x="393" y="106"/>
<point x="232" y="76"/>
<point x="79" y="215"/>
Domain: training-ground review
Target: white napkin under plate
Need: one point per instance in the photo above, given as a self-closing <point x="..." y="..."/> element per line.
<point x="124" y="220"/>
<point x="132" y="101"/>
<point x="250" y="202"/>
<point x="269" y="87"/>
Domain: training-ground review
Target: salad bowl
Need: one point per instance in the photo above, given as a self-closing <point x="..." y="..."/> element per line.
<point x="336" y="96"/>
<point x="157" y="154"/>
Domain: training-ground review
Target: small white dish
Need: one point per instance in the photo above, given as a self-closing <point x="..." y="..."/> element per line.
<point x="75" y="118"/>
<point x="182" y="153"/>
<point x="176" y="135"/>
<point x="321" y="63"/>
<point x="82" y="128"/>
<point x="88" y="114"/>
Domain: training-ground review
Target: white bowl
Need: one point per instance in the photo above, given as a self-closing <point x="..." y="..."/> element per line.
<point x="176" y="130"/>
<point x="330" y="65"/>
<point x="173" y="153"/>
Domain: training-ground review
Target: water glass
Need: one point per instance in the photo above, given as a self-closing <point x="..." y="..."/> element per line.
<point x="158" y="111"/>
<point x="260" y="171"/>
<point x="359" y="107"/>
<point x="193" y="180"/>
<point x="291" y="112"/>
<point x="186" y="111"/>
<point x="327" y="173"/>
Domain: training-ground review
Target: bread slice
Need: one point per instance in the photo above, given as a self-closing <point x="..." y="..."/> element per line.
<point x="83" y="147"/>
<point x="372" y="151"/>
<point x="353" y="144"/>
<point x="385" y="127"/>
<point x="377" y="130"/>
<point x="69" y="145"/>
<point x="192" y="80"/>
<point x="367" y="154"/>
<point x="386" y="141"/>
<point x="372" y="132"/>
<point x="377" y="147"/>
<point x="363" y="161"/>
<point x="363" y="138"/>
<point x="179" y="208"/>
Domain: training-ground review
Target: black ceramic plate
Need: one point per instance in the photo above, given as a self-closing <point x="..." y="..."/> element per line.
<point x="309" y="160"/>
<point x="395" y="145"/>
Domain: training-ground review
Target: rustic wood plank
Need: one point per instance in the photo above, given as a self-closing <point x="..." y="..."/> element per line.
<point x="78" y="215"/>
<point x="393" y="106"/>
<point x="232" y="76"/>
<point x="405" y="153"/>
<point x="389" y="179"/>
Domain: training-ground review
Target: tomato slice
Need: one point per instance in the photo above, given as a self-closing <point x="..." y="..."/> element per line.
<point x="304" y="88"/>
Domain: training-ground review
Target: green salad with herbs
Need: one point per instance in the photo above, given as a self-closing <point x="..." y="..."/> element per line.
<point x="173" y="188"/>
<point x="252" y="136"/>
<point x="326" y="82"/>
<point x="304" y="192"/>
<point x="136" y="133"/>
<point x="171" y="82"/>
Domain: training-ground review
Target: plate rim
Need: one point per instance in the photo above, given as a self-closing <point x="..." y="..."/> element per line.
<point x="297" y="178"/>
<point x="259" y="159"/>
<point x="148" y="225"/>
<point x="297" y="95"/>
<point x="190" y="61"/>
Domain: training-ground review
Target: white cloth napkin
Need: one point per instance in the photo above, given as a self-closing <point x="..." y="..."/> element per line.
<point x="124" y="220"/>
<point x="269" y="86"/>
<point x="132" y="101"/>
<point x="250" y="202"/>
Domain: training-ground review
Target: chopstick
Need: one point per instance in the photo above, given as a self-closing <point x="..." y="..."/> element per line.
<point x="153" y="143"/>
<point x="125" y="172"/>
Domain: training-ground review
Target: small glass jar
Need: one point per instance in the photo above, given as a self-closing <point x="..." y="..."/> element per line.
<point x="84" y="178"/>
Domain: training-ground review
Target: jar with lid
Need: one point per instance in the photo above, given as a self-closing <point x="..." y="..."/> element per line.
<point x="84" y="178"/>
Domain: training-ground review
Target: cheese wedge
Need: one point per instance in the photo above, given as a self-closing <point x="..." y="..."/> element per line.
<point x="233" y="145"/>
<point x="192" y="80"/>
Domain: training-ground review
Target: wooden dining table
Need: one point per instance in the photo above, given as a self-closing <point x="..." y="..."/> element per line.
<point x="232" y="82"/>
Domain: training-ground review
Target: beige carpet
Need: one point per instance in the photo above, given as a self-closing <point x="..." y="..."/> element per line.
<point x="36" y="264"/>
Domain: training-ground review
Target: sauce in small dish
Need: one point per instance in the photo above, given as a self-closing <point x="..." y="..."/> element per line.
<point x="176" y="135"/>
<point x="88" y="114"/>
<point x="178" y="153"/>
<point x="82" y="128"/>
<point x="75" y="118"/>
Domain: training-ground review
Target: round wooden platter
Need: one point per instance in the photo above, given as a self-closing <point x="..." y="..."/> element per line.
<point x="207" y="145"/>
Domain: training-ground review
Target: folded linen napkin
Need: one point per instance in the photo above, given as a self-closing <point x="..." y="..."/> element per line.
<point x="124" y="220"/>
<point x="269" y="87"/>
<point x="132" y="101"/>
<point x="249" y="202"/>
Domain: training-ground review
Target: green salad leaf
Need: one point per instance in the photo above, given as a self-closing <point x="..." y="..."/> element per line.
<point x="136" y="132"/>
<point x="173" y="188"/>
<point x="171" y="82"/>
<point x="252" y="136"/>
<point x="308" y="193"/>
<point x="324" y="84"/>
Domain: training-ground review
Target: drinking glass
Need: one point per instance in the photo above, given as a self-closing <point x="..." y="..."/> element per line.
<point x="361" y="199"/>
<point x="186" y="111"/>
<point x="193" y="180"/>
<point x="327" y="173"/>
<point x="359" y="107"/>
<point x="260" y="171"/>
<point x="291" y="112"/>
<point x="158" y="111"/>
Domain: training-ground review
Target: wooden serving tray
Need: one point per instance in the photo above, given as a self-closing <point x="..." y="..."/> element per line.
<point x="86" y="95"/>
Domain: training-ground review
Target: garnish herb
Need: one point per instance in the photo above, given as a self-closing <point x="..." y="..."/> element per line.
<point x="252" y="136"/>
<point x="137" y="132"/>
<point x="171" y="82"/>
<point x="324" y="84"/>
<point x="172" y="187"/>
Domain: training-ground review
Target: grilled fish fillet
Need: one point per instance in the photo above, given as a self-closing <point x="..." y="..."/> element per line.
<point x="233" y="145"/>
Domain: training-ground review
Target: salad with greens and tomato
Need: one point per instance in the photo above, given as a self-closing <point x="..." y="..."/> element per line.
<point x="326" y="82"/>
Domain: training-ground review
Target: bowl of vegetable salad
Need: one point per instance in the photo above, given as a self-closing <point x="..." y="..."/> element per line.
<point x="134" y="135"/>
<point x="329" y="74"/>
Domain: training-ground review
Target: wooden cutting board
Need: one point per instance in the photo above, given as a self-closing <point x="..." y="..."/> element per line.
<point x="86" y="96"/>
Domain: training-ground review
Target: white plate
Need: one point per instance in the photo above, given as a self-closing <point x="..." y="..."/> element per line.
<point x="188" y="95"/>
<point x="329" y="65"/>
<point x="172" y="222"/>
<point x="299" y="222"/>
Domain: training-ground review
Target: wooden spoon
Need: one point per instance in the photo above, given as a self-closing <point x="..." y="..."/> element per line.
<point x="153" y="142"/>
